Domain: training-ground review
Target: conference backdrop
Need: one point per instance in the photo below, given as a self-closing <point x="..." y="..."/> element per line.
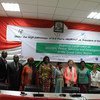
<point x="60" y="47"/>
<point x="32" y="37"/>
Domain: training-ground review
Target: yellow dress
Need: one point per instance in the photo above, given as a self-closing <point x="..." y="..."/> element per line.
<point x="45" y="73"/>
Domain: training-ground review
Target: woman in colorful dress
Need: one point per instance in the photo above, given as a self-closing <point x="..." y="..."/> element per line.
<point x="45" y="74"/>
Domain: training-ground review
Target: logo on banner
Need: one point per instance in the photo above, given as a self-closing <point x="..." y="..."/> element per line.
<point x="20" y="31"/>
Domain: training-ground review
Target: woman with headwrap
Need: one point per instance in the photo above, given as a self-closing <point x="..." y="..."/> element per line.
<point x="45" y="74"/>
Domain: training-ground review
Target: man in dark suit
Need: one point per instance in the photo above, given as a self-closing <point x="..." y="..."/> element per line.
<point x="3" y="67"/>
<point x="14" y="73"/>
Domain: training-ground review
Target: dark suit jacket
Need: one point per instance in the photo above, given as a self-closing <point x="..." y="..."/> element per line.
<point x="14" y="75"/>
<point x="3" y="70"/>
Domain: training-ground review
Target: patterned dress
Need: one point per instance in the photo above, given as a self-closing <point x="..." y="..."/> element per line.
<point x="45" y="73"/>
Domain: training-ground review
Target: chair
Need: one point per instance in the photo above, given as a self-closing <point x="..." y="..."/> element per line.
<point x="70" y="90"/>
<point x="32" y="88"/>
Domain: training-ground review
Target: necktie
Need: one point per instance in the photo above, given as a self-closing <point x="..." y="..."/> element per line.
<point x="16" y="65"/>
<point x="5" y="61"/>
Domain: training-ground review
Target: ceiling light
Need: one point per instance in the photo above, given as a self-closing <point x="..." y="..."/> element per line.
<point x="97" y="16"/>
<point x="94" y="15"/>
<point x="11" y="6"/>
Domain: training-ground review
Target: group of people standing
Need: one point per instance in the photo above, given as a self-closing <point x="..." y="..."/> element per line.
<point x="68" y="76"/>
<point x="47" y="76"/>
<point x="14" y="74"/>
<point x="79" y="77"/>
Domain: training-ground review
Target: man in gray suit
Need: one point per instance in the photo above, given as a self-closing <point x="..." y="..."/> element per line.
<point x="14" y="73"/>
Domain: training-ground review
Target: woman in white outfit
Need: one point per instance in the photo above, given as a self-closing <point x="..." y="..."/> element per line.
<point x="95" y="76"/>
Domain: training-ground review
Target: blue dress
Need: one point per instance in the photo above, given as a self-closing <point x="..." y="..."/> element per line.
<point x="59" y="83"/>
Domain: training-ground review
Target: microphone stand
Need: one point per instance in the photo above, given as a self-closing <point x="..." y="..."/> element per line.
<point x="38" y="93"/>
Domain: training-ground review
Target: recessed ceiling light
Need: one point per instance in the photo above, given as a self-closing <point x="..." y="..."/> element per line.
<point x="11" y="6"/>
<point x="94" y="15"/>
<point x="97" y="16"/>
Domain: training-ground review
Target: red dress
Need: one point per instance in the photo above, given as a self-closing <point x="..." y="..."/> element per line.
<point x="26" y="75"/>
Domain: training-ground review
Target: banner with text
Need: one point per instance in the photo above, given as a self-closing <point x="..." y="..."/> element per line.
<point x="60" y="47"/>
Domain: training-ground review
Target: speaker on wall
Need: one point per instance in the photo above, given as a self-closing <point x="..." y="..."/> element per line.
<point x="59" y="26"/>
